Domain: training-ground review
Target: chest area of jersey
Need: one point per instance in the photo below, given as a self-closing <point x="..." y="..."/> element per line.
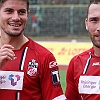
<point x="25" y="60"/>
<point x="89" y="81"/>
<point x="92" y="67"/>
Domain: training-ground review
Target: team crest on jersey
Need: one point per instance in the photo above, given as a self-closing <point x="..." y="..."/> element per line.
<point x="32" y="68"/>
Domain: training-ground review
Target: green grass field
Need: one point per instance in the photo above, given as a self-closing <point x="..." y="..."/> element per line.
<point x="63" y="79"/>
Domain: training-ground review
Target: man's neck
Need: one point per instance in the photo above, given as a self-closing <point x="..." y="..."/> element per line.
<point x="16" y="42"/>
<point x="96" y="51"/>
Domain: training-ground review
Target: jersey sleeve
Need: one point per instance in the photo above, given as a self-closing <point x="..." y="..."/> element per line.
<point x="71" y="89"/>
<point x="50" y="81"/>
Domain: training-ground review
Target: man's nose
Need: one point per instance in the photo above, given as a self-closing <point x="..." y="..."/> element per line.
<point x="15" y="16"/>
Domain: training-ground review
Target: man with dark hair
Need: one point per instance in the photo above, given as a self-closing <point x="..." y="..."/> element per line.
<point x="83" y="75"/>
<point x="28" y="71"/>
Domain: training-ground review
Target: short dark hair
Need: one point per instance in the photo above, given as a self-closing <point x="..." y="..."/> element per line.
<point x="92" y="2"/>
<point x="27" y="1"/>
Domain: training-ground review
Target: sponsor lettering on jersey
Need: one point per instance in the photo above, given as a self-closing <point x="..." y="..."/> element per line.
<point x="32" y="68"/>
<point x="96" y="64"/>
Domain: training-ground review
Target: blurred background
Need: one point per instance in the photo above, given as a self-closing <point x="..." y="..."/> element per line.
<point x="57" y="17"/>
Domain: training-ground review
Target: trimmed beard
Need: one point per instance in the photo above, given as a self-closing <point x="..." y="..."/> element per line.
<point x="12" y="33"/>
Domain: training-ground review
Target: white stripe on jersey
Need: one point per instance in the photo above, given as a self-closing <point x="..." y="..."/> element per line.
<point x="61" y="97"/>
<point x="23" y="60"/>
<point x="22" y="65"/>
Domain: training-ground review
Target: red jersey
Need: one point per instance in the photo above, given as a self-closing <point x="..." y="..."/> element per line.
<point x="41" y="76"/>
<point x="84" y="64"/>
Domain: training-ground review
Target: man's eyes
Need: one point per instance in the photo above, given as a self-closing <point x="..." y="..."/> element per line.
<point x="22" y="12"/>
<point x="10" y="11"/>
<point x="94" y="19"/>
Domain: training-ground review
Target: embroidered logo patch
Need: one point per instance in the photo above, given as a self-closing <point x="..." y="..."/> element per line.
<point x="53" y="64"/>
<point x="55" y="76"/>
<point x="32" y="68"/>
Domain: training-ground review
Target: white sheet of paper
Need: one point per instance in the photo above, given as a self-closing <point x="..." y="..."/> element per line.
<point x="12" y="80"/>
<point x="89" y="85"/>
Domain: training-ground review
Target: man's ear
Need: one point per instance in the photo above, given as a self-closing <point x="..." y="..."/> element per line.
<point x="28" y="13"/>
<point x="86" y="24"/>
